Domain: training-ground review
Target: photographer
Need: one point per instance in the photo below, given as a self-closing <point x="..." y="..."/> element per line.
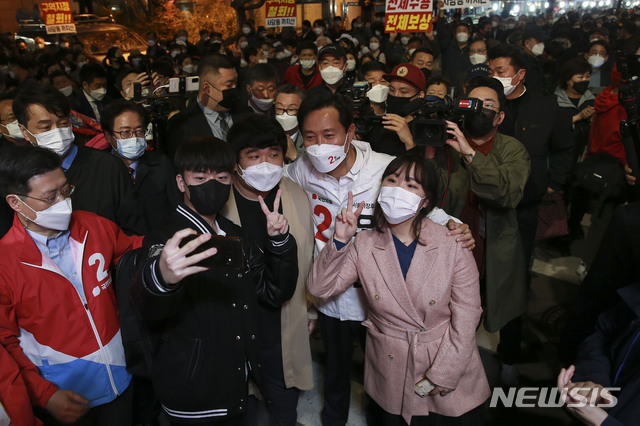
<point x="485" y="181"/>
<point x="406" y="83"/>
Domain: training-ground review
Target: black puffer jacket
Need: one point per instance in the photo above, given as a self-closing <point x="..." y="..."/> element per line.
<point x="204" y="328"/>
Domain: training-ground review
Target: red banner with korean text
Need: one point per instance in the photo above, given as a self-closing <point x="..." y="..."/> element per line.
<point x="408" y="16"/>
<point x="57" y="17"/>
<point x="280" y="13"/>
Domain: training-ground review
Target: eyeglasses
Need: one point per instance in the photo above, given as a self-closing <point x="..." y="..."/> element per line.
<point x="64" y="192"/>
<point x="126" y="134"/>
<point x="290" y="110"/>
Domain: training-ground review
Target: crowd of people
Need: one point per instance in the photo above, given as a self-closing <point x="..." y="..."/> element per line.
<point x="321" y="204"/>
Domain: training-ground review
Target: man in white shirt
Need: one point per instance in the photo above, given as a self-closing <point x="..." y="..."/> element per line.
<point x="333" y="165"/>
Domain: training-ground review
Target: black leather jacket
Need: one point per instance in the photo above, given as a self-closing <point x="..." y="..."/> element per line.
<point x="204" y="328"/>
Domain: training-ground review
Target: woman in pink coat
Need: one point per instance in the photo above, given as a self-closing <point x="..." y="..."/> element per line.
<point x="424" y="302"/>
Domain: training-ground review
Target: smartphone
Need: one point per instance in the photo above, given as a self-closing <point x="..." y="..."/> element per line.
<point x="423" y="388"/>
<point x="230" y="253"/>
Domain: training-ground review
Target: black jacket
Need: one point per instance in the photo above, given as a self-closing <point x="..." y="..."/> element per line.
<point x="537" y="122"/>
<point x="155" y="188"/>
<point x="611" y="357"/>
<point x="189" y="123"/>
<point x="103" y="186"/>
<point x="205" y="326"/>
<point x="616" y="265"/>
<point x="81" y="104"/>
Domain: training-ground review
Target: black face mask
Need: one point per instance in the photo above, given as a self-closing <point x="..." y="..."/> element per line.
<point x="395" y="104"/>
<point x="209" y="198"/>
<point x="581" y="87"/>
<point x="230" y="97"/>
<point x="478" y="125"/>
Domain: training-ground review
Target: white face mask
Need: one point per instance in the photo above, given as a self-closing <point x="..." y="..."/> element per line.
<point x="596" y="61"/>
<point x="98" y="94"/>
<point x="331" y="74"/>
<point x="66" y="90"/>
<point x="410" y="52"/>
<point x="263" y="177"/>
<point x="288" y="122"/>
<point x="511" y="26"/>
<point x="57" y="140"/>
<point x="280" y="56"/>
<point x="189" y="68"/>
<point x="151" y="43"/>
<point x="374" y="46"/>
<point x="477" y="58"/>
<point x="506" y="84"/>
<point x="13" y="130"/>
<point x="287" y="53"/>
<point x="537" y="49"/>
<point x="462" y="37"/>
<point x="317" y="30"/>
<point x="265" y="53"/>
<point x="246" y="31"/>
<point x="131" y="148"/>
<point x="262" y="61"/>
<point x="378" y="93"/>
<point x="243" y="63"/>
<point x="263" y="104"/>
<point x="307" y="64"/>
<point x="404" y="40"/>
<point x="398" y="204"/>
<point x="181" y="40"/>
<point x="351" y="64"/>
<point x="55" y="217"/>
<point x="243" y="44"/>
<point x="327" y="157"/>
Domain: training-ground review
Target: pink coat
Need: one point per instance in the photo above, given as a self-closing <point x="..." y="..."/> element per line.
<point x="425" y="326"/>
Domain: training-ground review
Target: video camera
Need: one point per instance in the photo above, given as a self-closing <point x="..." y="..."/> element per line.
<point x="363" y="116"/>
<point x="429" y="127"/>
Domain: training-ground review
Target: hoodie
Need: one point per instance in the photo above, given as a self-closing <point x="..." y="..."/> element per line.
<point x="605" y="131"/>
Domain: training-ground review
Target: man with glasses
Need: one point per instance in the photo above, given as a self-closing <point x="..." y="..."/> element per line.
<point x="104" y="186"/>
<point x="215" y="108"/>
<point x="58" y="315"/>
<point x="287" y="101"/>
<point x="153" y="176"/>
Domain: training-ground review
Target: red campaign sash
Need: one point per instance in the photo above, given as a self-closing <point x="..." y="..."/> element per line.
<point x="84" y="124"/>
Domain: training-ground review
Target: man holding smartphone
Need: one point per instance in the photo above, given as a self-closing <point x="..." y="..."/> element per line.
<point x="203" y="320"/>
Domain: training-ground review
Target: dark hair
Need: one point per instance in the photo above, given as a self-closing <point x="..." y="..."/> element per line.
<point x="425" y="174"/>
<point x="38" y="94"/>
<point x="256" y="131"/>
<point x="437" y="79"/>
<point x="372" y="66"/>
<point x="327" y="100"/>
<point x="90" y="72"/>
<point x="163" y="66"/>
<point x="320" y="23"/>
<point x="261" y="72"/>
<point x="55" y="74"/>
<point x="570" y="68"/>
<point x="420" y="50"/>
<point x="8" y="95"/>
<point x="204" y="153"/>
<point x="306" y="44"/>
<point x="212" y="63"/>
<point x="20" y="163"/>
<point x="601" y="43"/>
<point x="249" y="51"/>
<point x="119" y="106"/>
<point x="492" y="84"/>
<point x="123" y="74"/>
<point x="516" y="55"/>
<point x="414" y="38"/>
<point x="290" y="89"/>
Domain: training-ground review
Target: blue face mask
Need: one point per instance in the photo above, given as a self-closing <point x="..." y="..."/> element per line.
<point x="131" y="148"/>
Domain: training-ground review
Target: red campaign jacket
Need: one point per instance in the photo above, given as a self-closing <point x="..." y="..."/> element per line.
<point x="58" y="339"/>
<point x="293" y="76"/>
<point x="13" y="392"/>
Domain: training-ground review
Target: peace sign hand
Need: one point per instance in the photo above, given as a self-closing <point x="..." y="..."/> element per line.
<point x="277" y="224"/>
<point x="347" y="221"/>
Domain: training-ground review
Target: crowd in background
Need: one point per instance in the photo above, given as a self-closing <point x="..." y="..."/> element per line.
<point x="212" y="159"/>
